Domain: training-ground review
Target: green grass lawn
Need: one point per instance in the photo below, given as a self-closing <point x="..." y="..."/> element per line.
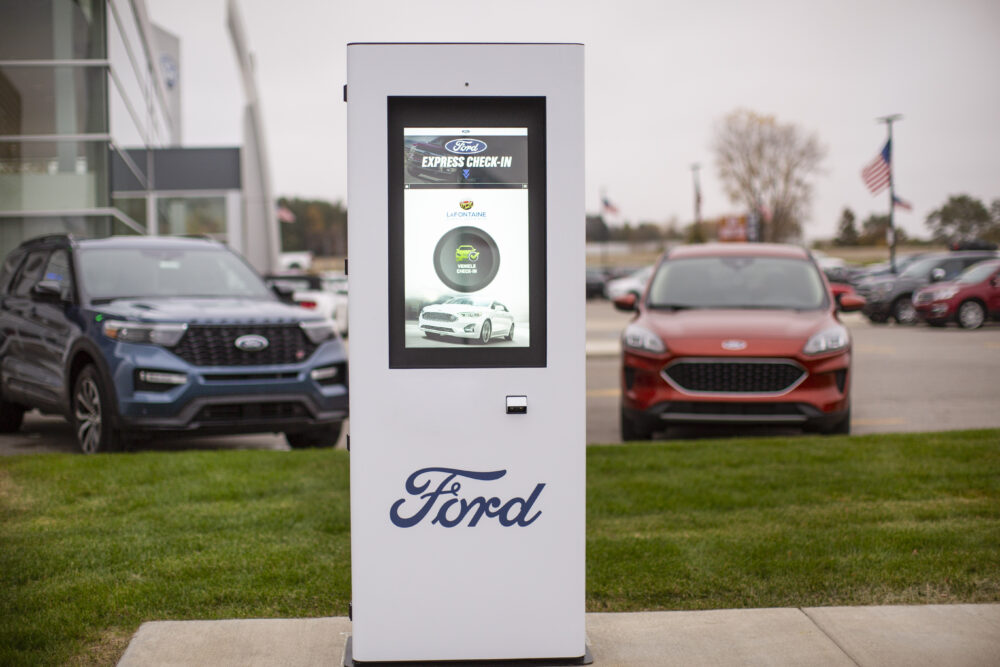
<point x="90" y="547"/>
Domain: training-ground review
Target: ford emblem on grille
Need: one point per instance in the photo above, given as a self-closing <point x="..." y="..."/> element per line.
<point x="251" y="343"/>
<point x="734" y="345"/>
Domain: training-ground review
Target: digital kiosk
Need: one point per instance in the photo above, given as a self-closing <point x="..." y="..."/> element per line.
<point x="467" y="360"/>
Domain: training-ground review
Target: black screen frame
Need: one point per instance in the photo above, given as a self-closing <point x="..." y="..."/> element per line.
<point x="406" y="111"/>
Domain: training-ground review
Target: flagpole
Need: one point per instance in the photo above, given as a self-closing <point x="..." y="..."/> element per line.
<point x="888" y="120"/>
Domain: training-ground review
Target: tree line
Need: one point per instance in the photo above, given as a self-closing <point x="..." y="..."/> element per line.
<point x="960" y="218"/>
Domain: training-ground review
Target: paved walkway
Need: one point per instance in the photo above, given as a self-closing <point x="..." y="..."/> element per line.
<point x="950" y="635"/>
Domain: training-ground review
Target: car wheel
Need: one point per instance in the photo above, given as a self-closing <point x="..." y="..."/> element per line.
<point x="842" y="427"/>
<point x="510" y="334"/>
<point x="92" y="417"/>
<point x="631" y="430"/>
<point x="11" y="416"/>
<point x="487" y="330"/>
<point x="971" y="315"/>
<point x="326" y="436"/>
<point x="903" y="311"/>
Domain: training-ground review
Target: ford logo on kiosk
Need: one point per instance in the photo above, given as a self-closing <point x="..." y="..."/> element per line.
<point x="251" y="343"/>
<point x="455" y="509"/>
<point x="465" y="146"/>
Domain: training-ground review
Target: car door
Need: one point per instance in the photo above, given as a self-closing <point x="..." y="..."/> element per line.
<point x="17" y="367"/>
<point x="993" y="294"/>
<point x="502" y="319"/>
<point x="9" y="349"/>
<point x="48" y="329"/>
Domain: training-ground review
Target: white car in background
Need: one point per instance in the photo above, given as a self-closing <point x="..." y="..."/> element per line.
<point x="633" y="283"/>
<point x="309" y="292"/>
<point x="335" y="283"/>
<point x="467" y="317"/>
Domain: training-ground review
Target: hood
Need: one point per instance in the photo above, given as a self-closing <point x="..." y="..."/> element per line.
<point x="701" y="332"/>
<point x="206" y="311"/>
<point x="454" y="308"/>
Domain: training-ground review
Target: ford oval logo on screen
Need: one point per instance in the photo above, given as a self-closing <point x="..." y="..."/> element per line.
<point x="465" y="146"/>
<point x="251" y="343"/>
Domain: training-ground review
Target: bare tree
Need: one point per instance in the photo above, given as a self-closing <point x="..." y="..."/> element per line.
<point x="767" y="166"/>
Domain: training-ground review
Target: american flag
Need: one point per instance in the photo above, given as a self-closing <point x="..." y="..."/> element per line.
<point x="902" y="203"/>
<point x="608" y="206"/>
<point x="877" y="174"/>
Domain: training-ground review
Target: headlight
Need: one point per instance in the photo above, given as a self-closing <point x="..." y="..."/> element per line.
<point x="640" y="338"/>
<point x="318" y="331"/>
<point x="944" y="293"/>
<point x="828" y="340"/>
<point x="166" y="335"/>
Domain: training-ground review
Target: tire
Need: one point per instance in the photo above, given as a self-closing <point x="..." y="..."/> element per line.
<point x="510" y="334"/>
<point x="842" y="427"/>
<point x="324" y="436"/>
<point x="903" y="311"/>
<point x="11" y="416"/>
<point x="486" y="332"/>
<point x="632" y="430"/>
<point x="971" y="315"/>
<point x="93" y="418"/>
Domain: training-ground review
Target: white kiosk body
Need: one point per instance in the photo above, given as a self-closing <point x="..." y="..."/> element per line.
<point x="467" y="360"/>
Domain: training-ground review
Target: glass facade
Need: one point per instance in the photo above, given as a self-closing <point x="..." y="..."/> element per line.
<point x="77" y="88"/>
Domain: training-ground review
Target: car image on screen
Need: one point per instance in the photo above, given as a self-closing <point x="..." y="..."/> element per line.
<point x="467" y="318"/>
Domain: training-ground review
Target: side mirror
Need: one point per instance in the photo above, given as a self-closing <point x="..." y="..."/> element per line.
<point x="937" y="275"/>
<point x="626" y="303"/>
<point x="49" y="291"/>
<point x="850" y="303"/>
<point x="283" y="293"/>
<point x="995" y="281"/>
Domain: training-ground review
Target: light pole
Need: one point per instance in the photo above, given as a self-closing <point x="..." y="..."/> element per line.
<point x="697" y="200"/>
<point x="888" y="120"/>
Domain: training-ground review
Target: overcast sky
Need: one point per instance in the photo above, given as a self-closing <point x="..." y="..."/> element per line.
<point x="660" y="74"/>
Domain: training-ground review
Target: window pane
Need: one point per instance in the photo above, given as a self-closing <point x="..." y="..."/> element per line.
<point x="192" y="215"/>
<point x="47" y="176"/>
<point x="51" y="29"/>
<point x="53" y="100"/>
<point x="133" y="207"/>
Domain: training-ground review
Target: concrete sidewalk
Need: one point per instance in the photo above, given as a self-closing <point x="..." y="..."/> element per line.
<point x="952" y="635"/>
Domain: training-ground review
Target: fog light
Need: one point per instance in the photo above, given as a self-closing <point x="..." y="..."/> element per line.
<point x="158" y="380"/>
<point x="471" y="328"/>
<point x="325" y="373"/>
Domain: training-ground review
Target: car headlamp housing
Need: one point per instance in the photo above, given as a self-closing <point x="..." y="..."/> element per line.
<point x="319" y="330"/>
<point x="468" y="314"/>
<point x="640" y="338"/>
<point x="165" y="334"/>
<point x="832" y="339"/>
<point x="944" y="293"/>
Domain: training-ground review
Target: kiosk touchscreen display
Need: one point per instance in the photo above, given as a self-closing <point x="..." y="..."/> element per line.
<point x="466" y="233"/>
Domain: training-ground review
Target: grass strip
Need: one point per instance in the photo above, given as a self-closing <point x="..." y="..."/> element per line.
<point x="90" y="547"/>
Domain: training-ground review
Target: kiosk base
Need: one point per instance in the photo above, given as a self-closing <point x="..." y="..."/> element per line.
<point x="585" y="659"/>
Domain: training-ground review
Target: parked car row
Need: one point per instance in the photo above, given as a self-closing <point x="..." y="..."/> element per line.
<point x="127" y="337"/>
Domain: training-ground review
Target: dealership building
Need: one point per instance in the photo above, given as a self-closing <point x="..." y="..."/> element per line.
<point x="90" y="133"/>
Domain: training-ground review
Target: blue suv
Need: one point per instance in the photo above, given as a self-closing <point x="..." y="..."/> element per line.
<point x="126" y="336"/>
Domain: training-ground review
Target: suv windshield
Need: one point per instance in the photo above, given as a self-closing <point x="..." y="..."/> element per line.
<point x="921" y="268"/>
<point x="738" y="282"/>
<point x="116" y="273"/>
<point x="978" y="272"/>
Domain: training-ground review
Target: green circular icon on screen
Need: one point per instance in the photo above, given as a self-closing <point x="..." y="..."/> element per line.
<point x="466" y="259"/>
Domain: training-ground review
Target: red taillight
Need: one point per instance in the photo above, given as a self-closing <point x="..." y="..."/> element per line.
<point x="307" y="304"/>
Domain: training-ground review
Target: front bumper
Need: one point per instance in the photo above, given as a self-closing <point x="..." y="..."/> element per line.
<point x="877" y="309"/>
<point x="820" y="398"/>
<point x="244" y="399"/>
<point x="935" y="311"/>
<point x="462" y="327"/>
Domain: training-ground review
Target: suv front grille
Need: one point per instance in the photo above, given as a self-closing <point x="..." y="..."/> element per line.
<point x="214" y="345"/>
<point x="734" y="377"/>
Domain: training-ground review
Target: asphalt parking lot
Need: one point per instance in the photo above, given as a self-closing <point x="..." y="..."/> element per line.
<point x="905" y="379"/>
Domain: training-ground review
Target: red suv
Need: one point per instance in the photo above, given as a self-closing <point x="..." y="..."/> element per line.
<point x="970" y="299"/>
<point x="736" y="333"/>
